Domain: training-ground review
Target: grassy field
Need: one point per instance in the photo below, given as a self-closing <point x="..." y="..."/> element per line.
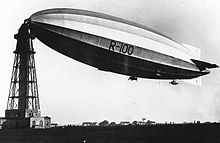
<point x="179" y="133"/>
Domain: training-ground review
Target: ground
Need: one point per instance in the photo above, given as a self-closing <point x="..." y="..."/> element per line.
<point x="176" y="133"/>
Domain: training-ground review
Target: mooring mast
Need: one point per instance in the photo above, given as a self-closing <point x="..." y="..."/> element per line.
<point x="23" y="100"/>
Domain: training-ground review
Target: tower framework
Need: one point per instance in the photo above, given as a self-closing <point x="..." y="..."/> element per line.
<point x="23" y="99"/>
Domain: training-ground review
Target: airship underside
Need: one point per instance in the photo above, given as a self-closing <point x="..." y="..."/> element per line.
<point x="116" y="45"/>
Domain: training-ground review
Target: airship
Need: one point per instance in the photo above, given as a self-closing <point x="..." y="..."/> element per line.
<point x="117" y="45"/>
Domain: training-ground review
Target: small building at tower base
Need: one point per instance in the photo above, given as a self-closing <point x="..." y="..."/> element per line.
<point x="30" y="122"/>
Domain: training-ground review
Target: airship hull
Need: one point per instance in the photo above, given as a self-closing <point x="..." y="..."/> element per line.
<point x="113" y="44"/>
<point x="105" y="58"/>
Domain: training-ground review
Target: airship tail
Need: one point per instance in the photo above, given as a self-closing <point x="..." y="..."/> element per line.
<point x="196" y="54"/>
<point x="203" y="65"/>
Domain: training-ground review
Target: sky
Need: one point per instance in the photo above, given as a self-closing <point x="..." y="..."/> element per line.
<point x="71" y="92"/>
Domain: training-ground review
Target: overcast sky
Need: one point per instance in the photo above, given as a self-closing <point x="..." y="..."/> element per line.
<point x="72" y="92"/>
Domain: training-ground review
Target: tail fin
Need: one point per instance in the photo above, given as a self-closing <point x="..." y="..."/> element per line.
<point x="203" y="65"/>
<point x="195" y="52"/>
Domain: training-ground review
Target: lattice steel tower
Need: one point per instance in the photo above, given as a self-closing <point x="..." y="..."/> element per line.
<point x="23" y="100"/>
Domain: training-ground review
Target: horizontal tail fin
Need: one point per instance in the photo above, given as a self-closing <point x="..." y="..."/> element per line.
<point x="203" y="65"/>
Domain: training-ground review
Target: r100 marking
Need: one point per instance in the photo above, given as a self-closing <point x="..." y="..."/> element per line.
<point x="123" y="47"/>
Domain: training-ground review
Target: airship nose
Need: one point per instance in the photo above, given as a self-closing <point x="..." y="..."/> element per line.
<point x="41" y="16"/>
